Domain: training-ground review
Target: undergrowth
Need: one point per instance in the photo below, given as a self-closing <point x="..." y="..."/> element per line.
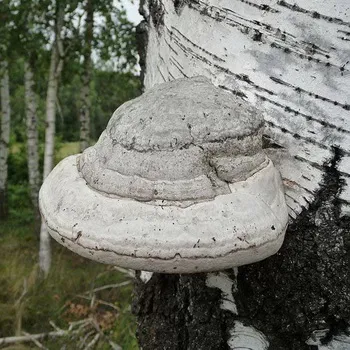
<point x="28" y="303"/>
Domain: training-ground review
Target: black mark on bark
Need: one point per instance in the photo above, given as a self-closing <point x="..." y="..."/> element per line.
<point x="305" y="286"/>
<point x="180" y="312"/>
<point x="314" y="14"/>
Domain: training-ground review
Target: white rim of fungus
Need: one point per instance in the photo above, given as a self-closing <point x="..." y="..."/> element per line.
<point x="233" y="229"/>
<point x="177" y="183"/>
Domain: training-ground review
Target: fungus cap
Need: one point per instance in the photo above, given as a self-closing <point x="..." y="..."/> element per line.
<point x="177" y="183"/>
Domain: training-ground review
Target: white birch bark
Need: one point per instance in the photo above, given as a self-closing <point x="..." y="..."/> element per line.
<point x="32" y="136"/>
<point x="4" y="135"/>
<point x="56" y="66"/>
<point x="290" y="59"/>
<point x="85" y="97"/>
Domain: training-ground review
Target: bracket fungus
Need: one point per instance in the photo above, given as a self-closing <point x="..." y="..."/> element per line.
<point x="177" y="183"/>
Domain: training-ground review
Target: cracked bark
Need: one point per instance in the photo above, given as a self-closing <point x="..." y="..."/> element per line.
<point x="180" y="312"/>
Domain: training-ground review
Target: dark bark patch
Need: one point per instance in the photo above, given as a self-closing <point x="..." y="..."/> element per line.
<point x="257" y="36"/>
<point x="306" y="285"/>
<point x="156" y="10"/>
<point x="3" y="204"/>
<point x="179" y="5"/>
<point x="142" y="43"/>
<point x="178" y="312"/>
<point x="267" y="142"/>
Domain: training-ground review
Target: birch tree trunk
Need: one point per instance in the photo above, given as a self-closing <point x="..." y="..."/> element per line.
<point x="4" y="136"/>
<point x="292" y="61"/>
<point x="56" y="66"/>
<point x="85" y="98"/>
<point x="32" y="136"/>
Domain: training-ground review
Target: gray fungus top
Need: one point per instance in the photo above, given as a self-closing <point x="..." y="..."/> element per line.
<point x="181" y="113"/>
<point x="181" y="141"/>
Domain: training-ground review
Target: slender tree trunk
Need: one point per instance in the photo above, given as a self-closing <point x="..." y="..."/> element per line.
<point x="56" y="66"/>
<point x="32" y="136"/>
<point x="291" y="61"/>
<point x="4" y="136"/>
<point x="85" y="97"/>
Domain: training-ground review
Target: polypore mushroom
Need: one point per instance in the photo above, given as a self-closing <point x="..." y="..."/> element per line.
<point x="177" y="183"/>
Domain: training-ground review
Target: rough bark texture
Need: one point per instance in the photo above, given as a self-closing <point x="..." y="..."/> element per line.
<point x="4" y="136"/>
<point x="245" y="47"/>
<point x="32" y="136"/>
<point x="56" y="66"/>
<point x="305" y="286"/>
<point x="85" y="98"/>
<point x="180" y="312"/>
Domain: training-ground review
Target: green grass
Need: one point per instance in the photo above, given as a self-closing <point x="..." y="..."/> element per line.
<point x="67" y="149"/>
<point x="58" y="297"/>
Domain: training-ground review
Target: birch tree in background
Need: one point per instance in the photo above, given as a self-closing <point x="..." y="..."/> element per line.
<point x="31" y="31"/>
<point x="85" y="97"/>
<point x="4" y="136"/>
<point x="6" y="23"/>
<point x="32" y="136"/>
<point x="113" y="40"/>
<point x="291" y="60"/>
<point x="56" y="66"/>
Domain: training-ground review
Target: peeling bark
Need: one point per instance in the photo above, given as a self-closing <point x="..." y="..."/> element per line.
<point x="4" y="136"/>
<point x="32" y="136"/>
<point x="85" y="98"/>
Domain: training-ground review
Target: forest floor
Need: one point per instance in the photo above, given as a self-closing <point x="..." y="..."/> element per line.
<point x="29" y="303"/>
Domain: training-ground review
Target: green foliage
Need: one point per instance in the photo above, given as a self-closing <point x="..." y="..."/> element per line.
<point x="116" y="37"/>
<point x="20" y="204"/>
<point x="26" y="29"/>
<point x="17" y="164"/>
<point x="67" y="149"/>
<point x="109" y="90"/>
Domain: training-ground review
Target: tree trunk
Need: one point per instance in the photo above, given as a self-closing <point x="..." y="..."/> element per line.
<point x="291" y="61"/>
<point x="56" y="66"/>
<point x="32" y="137"/>
<point x="85" y="98"/>
<point x="4" y="136"/>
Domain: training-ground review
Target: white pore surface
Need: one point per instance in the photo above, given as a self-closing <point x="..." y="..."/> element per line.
<point x="239" y="228"/>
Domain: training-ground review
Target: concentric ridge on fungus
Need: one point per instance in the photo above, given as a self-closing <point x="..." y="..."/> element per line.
<point x="177" y="183"/>
<point x="177" y="142"/>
